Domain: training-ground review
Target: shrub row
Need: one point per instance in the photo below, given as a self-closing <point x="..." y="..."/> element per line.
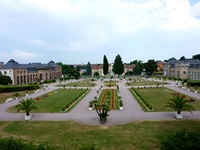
<point x="18" y="88"/>
<point x="142" y="99"/>
<point x="50" y="81"/>
<point x="193" y="83"/>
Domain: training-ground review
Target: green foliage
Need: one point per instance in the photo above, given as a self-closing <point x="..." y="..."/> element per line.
<point x="105" y="65"/>
<point x="11" y="88"/>
<point x="182" y="140"/>
<point x="118" y="66"/>
<point x="88" y="69"/>
<point x="194" y="83"/>
<point x="150" y="66"/>
<point x="5" y="80"/>
<point x="196" y="57"/>
<point x="179" y="103"/>
<point x="139" y="65"/>
<point x="18" y="144"/>
<point x="27" y="106"/>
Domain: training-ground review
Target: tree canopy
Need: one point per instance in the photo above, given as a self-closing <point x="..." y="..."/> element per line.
<point x="196" y="57"/>
<point x="139" y="65"/>
<point x="118" y="66"/>
<point x="105" y="65"/>
<point x="150" y="66"/>
<point x="5" y="80"/>
<point x="88" y="69"/>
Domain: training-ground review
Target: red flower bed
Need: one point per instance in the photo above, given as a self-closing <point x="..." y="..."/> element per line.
<point x="113" y="99"/>
<point x="37" y="99"/>
<point x="103" y="98"/>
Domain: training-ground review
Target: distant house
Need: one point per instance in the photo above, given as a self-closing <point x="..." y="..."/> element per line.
<point x="30" y="73"/>
<point x="185" y="69"/>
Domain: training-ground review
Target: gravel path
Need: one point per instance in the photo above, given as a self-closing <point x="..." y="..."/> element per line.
<point x="131" y="112"/>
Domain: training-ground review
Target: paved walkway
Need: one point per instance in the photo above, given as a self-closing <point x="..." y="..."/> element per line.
<point x="131" y="112"/>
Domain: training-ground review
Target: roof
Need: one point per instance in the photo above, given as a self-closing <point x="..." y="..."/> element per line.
<point x="12" y="64"/>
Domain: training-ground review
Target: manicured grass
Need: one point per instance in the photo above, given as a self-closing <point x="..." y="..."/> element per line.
<point x="145" y="83"/>
<point x="56" y="100"/>
<point x="158" y="98"/>
<point x="112" y="98"/>
<point x="78" y="84"/>
<point x="137" y="135"/>
<point x="4" y="96"/>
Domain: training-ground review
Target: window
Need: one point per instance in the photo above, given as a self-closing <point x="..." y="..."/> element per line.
<point x="184" y="72"/>
<point x="5" y="72"/>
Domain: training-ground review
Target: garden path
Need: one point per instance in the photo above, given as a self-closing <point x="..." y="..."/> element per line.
<point x="132" y="111"/>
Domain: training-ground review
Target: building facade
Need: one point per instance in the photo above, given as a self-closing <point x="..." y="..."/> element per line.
<point x="30" y="73"/>
<point x="97" y="70"/>
<point x="186" y="69"/>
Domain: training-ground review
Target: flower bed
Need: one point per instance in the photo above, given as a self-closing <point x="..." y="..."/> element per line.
<point x="111" y="99"/>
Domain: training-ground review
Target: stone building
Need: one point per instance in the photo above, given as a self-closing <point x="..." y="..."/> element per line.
<point x="30" y="73"/>
<point x="185" y="69"/>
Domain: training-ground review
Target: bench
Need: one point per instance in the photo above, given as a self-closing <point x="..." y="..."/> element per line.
<point x="9" y="100"/>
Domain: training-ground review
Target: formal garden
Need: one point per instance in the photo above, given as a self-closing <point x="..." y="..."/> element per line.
<point x="62" y="100"/>
<point x="156" y="98"/>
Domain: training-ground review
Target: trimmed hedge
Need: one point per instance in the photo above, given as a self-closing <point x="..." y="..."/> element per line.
<point x="4" y="89"/>
<point x="193" y="83"/>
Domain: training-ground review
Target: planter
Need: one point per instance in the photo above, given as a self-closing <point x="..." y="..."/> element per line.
<point x="195" y="91"/>
<point x="121" y="108"/>
<point x="188" y="89"/>
<point x="16" y="98"/>
<point x="103" y="120"/>
<point x="29" y="117"/>
<point x="90" y="108"/>
<point x="26" y="94"/>
<point x="179" y="116"/>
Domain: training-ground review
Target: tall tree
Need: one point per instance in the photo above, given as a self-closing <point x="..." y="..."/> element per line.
<point x="5" y="80"/>
<point x="88" y="69"/>
<point x="118" y="66"/>
<point x="196" y="57"/>
<point x="105" y="65"/>
<point x="150" y="66"/>
<point x="139" y="65"/>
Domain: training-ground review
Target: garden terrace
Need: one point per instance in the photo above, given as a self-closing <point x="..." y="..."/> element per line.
<point x="157" y="98"/>
<point x="58" y="101"/>
<point x="109" y="96"/>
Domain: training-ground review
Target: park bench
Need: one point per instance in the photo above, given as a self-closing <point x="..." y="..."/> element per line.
<point x="9" y="100"/>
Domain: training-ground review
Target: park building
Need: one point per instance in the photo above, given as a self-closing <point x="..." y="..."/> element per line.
<point x="184" y="69"/>
<point x="97" y="69"/>
<point x="31" y="72"/>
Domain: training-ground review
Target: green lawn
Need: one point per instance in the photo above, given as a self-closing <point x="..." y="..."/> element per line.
<point x="145" y="83"/>
<point x="158" y="98"/>
<point x="56" y="100"/>
<point x="78" y="84"/>
<point x="142" y="135"/>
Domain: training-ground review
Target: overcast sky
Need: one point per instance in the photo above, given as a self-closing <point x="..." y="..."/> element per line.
<point x="78" y="31"/>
